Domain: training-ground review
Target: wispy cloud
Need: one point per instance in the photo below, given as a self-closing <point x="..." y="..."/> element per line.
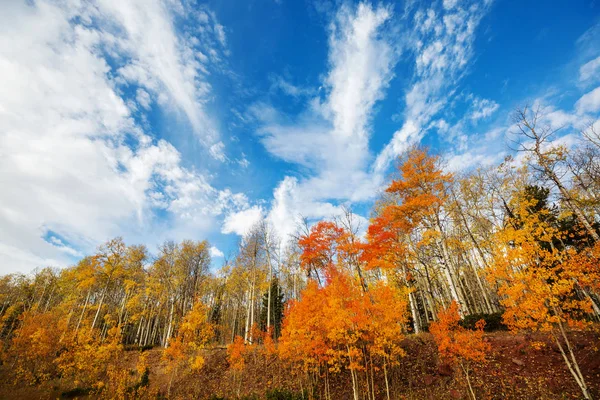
<point x="443" y="48"/>
<point x="590" y="71"/>
<point x="482" y="108"/>
<point x="331" y="136"/>
<point x="290" y="89"/>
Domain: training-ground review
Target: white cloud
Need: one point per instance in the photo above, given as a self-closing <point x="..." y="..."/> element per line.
<point x="73" y="160"/>
<point x="157" y="58"/>
<point x="290" y="89"/>
<point x="220" y="32"/>
<point x="143" y="98"/>
<point x="217" y="151"/>
<point x="590" y="70"/>
<point x="402" y="139"/>
<point x="361" y="61"/>
<point x="284" y="210"/>
<point x="59" y="244"/>
<point x="293" y="201"/>
<point x="216" y="253"/>
<point x="589" y="102"/>
<point x="459" y="136"/>
<point x="558" y="118"/>
<point x="479" y="157"/>
<point x="243" y="161"/>
<point x="482" y="108"/>
<point x="449" y="4"/>
<point x="332" y="135"/>
<point x="241" y="222"/>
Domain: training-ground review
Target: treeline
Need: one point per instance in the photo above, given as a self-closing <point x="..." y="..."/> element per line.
<point x="520" y="240"/>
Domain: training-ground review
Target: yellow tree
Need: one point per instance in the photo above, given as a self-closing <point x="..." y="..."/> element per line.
<point x="34" y="346"/>
<point x="195" y="332"/>
<point x="86" y="359"/>
<point x="537" y="278"/>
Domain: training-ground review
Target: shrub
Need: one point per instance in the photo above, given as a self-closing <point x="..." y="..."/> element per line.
<point x="283" y="394"/>
<point x="493" y="322"/>
<point x="77" y="392"/>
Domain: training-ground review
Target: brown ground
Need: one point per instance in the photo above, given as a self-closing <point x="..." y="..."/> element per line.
<point x="514" y="371"/>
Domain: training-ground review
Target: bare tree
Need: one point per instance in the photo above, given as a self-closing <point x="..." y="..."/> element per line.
<point x="536" y="141"/>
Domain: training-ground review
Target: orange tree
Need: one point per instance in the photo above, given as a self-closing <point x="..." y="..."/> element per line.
<point x="236" y="356"/>
<point x="457" y="345"/>
<point x="340" y="325"/>
<point x="303" y="339"/>
<point x="319" y="248"/>
<point x="387" y="317"/>
<point x="411" y="206"/>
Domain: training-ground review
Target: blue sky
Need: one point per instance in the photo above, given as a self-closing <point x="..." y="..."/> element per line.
<point x="157" y="120"/>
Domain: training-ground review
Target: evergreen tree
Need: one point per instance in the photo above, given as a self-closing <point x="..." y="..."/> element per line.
<point x="277" y="304"/>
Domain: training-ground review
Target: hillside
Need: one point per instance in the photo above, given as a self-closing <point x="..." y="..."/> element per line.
<point x="514" y="370"/>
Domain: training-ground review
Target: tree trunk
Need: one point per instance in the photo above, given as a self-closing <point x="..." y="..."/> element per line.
<point x="247" y="330"/>
<point x="83" y="311"/>
<point x="169" y="326"/>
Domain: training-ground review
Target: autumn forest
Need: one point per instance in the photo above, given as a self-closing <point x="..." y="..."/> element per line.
<point x="479" y="283"/>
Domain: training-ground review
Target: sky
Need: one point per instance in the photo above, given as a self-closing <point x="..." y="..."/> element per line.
<point x="168" y="120"/>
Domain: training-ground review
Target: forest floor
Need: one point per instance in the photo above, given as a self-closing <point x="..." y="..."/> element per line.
<point x="514" y="370"/>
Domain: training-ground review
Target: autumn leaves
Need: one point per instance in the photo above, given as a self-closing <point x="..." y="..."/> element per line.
<point x="338" y="327"/>
<point x="338" y="324"/>
<point x="459" y="346"/>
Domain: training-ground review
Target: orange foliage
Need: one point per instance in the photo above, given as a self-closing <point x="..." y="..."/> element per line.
<point x="384" y="248"/>
<point x="422" y="188"/>
<point x="318" y="247"/>
<point x="334" y="325"/>
<point x="269" y="346"/>
<point x="35" y="345"/>
<point x="455" y="343"/>
<point x="235" y="354"/>
<point x="387" y="318"/>
<point x="415" y="196"/>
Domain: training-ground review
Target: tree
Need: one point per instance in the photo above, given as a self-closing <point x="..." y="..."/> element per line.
<point x="275" y="308"/>
<point x="195" y="332"/>
<point x="87" y="358"/>
<point x="537" y="281"/>
<point x="338" y="327"/>
<point x="319" y="248"/>
<point x="34" y="346"/>
<point x="457" y="345"/>
<point x="236" y="352"/>
<point x="547" y="159"/>
<point x="408" y="224"/>
<point x="387" y="317"/>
